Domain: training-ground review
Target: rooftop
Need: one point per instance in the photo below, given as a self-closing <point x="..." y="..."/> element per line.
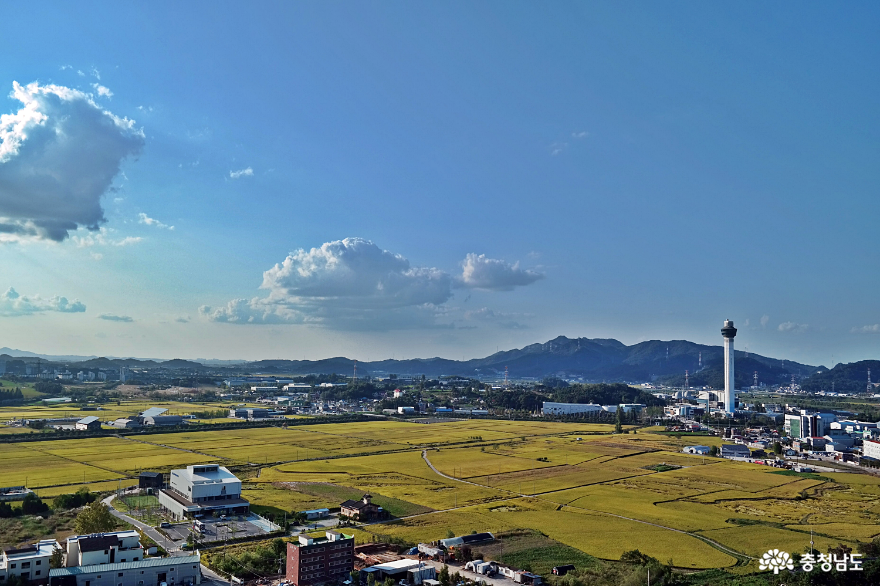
<point x="147" y="563"/>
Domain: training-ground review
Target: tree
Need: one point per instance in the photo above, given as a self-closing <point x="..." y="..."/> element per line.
<point x="444" y="576"/>
<point x="32" y="505"/>
<point x="95" y="518"/>
<point x="617" y="425"/>
<point x="57" y="559"/>
<point x="777" y="448"/>
<point x="713" y="451"/>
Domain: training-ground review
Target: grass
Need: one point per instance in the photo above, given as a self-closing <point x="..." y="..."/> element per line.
<point x="534" y="550"/>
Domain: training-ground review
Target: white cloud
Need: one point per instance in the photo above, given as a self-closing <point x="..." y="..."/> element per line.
<point x="345" y="284"/>
<point x="872" y="329"/>
<point x="501" y="319"/>
<point x="765" y="319"/>
<point x="58" y="156"/>
<point x="103" y="237"/>
<point x="581" y="134"/>
<point x="113" y="317"/>
<point x="95" y="73"/>
<point x="80" y="73"/>
<point x="12" y="304"/>
<point x="145" y="219"/>
<point x="241" y="173"/>
<point x="479" y="272"/>
<point x="102" y="91"/>
<point x="183" y="319"/>
<point x="63" y="67"/>
<point x="558" y="147"/>
<point x="793" y="327"/>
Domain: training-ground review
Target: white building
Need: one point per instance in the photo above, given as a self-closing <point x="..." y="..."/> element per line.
<point x="28" y="563"/>
<point x="550" y="408"/>
<point x="103" y="548"/>
<point x="871" y="448"/>
<point x="201" y="489"/>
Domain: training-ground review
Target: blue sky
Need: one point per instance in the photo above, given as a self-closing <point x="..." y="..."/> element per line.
<point x="302" y="180"/>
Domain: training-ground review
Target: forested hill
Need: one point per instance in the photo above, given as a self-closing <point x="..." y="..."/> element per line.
<point x="845" y="378"/>
<point x="593" y="360"/>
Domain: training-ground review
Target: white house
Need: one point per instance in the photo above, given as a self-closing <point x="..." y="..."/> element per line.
<point x="30" y="562"/>
<point x="203" y="488"/>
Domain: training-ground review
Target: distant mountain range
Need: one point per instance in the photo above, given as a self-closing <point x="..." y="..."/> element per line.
<point x="590" y="360"/>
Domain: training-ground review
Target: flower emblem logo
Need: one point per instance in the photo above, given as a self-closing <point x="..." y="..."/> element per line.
<point x="776" y="560"/>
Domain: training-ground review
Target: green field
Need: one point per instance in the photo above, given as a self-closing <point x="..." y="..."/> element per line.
<point x="577" y="485"/>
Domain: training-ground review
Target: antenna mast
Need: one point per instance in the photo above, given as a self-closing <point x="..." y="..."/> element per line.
<point x="355" y="371"/>
<point x="505" y="377"/>
<point x="870" y="386"/>
<point x="756" y="379"/>
<point x="686" y="383"/>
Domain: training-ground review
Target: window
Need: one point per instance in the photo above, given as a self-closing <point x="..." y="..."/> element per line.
<point x="37" y="573"/>
<point x="12" y="566"/>
<point x="120" y="574"/>
<point x="39" y="562"/>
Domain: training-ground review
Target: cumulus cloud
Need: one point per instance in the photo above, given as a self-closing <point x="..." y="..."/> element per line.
<point x="346" y="284"/>
<point x="480" y="272"/>
<point x="102" y="91"/>
<point x="765" y="319"/>
<point x="58" y="156"/>
<point x="793" y="327"/>
<point x="145" y="219"/>
<point x="241" y="173"/>
<point x="13" y="304"/>
<point x="872" y="329"/>
<point x="113" y="317"/>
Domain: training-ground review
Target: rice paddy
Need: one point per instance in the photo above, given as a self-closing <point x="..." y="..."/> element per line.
<point x="574" y="483"/>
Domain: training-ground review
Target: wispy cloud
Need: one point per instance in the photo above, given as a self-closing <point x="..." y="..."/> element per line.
<point x="794" y="328"/>
<point x="765" y="319"/>
<point x="113" y="317"/>
<point x="872" y="329"/>
<point x="241" y="173"/>
<point x="103" y="237"/>
<point x="182" y="319"/>
<point x="557" y="147"/>
<point x="145" y="219"/>
<point x="13" y="304"/>
<point x="581" y="134"/>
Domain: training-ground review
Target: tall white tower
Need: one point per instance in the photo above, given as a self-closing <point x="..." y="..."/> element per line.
<point x="729" y="332"/>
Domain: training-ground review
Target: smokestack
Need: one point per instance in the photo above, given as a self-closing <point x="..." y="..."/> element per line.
<point x="729" y="332"/>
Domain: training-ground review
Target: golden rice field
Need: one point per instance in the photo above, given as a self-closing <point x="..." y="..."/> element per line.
<point x="576" y="483"/>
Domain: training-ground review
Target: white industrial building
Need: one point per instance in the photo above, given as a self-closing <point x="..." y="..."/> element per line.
<point x="203" y="488"/>
<point x="550" y="408"/>
<point x="174" y="571"/>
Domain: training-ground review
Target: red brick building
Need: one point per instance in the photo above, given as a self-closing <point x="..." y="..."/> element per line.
<point x="320" y="560"/>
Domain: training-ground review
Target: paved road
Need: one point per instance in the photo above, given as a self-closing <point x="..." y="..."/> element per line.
<point x="172" y="547"/>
